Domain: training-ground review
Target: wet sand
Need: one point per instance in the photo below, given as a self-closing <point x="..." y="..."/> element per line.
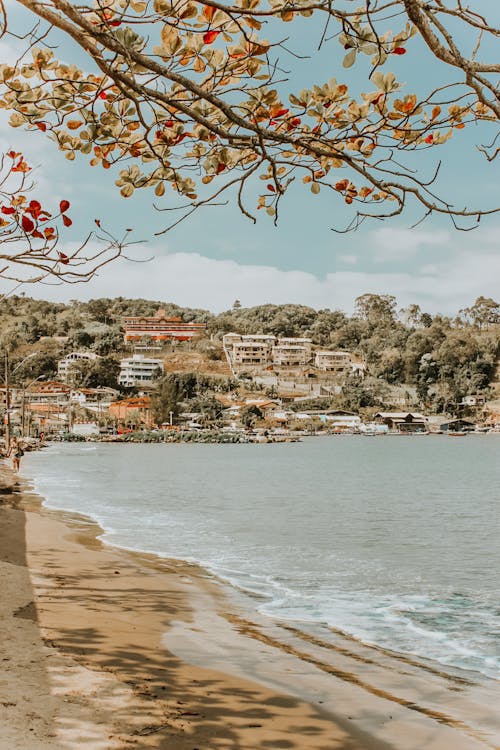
<point x="106" y="649"/>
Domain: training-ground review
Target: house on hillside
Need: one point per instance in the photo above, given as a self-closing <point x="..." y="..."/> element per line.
<point x="161" y="328"/>
<point x="473" y="399"/>
<point x="249" y="351"/>
<point x="94" y="399"/>
<point x="402" y="421"/>
<point x="66" y="367"/>
<point x="292" y="352"/>
<point x="48" y="392"/>
<point x="340" y="363"/>
<point x="139" y="370"/>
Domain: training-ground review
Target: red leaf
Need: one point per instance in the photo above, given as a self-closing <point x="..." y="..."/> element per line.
<point x="49" y="233"/>
<point x="98" y="222"/>
<point x="34" y="209"/>
<point x="67" y="221"/>
<point x="271" y="188"/>
<point x="27" y="224"/>
<point x="103" y="95"/>
<point x="430" y="138"/>
<point x="13" y="154"/>
<point x="37" y="234"/>
<point x="64" y="258"/>
<point x="209" y="12"/>
<point x="8" y="210"/>
<point x="115" y="23"/>
<point x="41" y="125"/>
<point x="210" y="36"/>
<point x="399" y="51"/>
<point x="220" y="167"/>
<point x="63" y="206"/>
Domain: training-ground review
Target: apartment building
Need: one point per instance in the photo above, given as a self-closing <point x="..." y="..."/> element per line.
<point x="248" y="350"/>
<point x="292" y="352"/>
<point x="339" y="362"/>
<point x="48" y="392"/>
<point x="139" y="370"/>
<point x="261" y="350"/>
<point x="161" y="328"/>
<point x="66" y="366"/>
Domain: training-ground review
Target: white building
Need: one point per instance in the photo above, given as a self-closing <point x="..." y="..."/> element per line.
<point x="139" y="370"/>
<point x="65" y="365"/>
<point x="94" y="399"/>
<point x="478" y="399"/>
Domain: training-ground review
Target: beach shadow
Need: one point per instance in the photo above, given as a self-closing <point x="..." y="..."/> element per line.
<point x="180" y="707"/>
<point x="26" y="703"/>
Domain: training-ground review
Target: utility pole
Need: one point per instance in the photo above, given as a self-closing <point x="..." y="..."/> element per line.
<point x="7" y="403"/>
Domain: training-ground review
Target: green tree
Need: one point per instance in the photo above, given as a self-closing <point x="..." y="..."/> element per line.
<point x="165" y="400"/>
<point x="483" y="313"/>
<point x="376" y="309"/>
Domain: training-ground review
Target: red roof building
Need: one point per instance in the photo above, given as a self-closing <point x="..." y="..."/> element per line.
<point x="161" y="328"/>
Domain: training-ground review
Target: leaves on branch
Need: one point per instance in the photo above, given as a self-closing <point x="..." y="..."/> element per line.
<point x="189" y="94"/>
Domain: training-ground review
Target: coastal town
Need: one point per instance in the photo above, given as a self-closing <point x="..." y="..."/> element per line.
<point x="170" y="379"/>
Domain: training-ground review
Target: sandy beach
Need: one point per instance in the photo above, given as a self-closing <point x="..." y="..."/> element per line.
<point x="107" y="649"/>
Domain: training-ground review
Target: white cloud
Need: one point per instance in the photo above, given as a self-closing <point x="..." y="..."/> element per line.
<point x="393" y="243"/>
<point x="195" y="280"/>
<point x="350" y="260"/>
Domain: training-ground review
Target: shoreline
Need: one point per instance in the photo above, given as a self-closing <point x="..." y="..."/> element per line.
<point x="128" y="649"/>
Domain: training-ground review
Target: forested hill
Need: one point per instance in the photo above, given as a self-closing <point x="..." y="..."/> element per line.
<point x="437" y="355"/>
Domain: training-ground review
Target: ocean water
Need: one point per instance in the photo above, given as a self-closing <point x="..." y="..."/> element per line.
<point x="392" y="539"/>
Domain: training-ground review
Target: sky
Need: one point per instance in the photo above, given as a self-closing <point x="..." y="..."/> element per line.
<point x="218" y="256"/>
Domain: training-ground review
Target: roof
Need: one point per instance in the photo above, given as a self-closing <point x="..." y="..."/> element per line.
<point x="399" y="415"/>
<point x="261" y="403"/>
<point x="140" y="402"/>
<point x="225" y="400"/>
<point x="49" y="385"/>
<point x="341" y="412"/>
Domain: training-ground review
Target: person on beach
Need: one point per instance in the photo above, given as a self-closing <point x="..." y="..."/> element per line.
<point x="17" y="452"/>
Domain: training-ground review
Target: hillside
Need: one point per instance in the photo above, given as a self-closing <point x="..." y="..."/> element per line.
<point x="438" y="359"/>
